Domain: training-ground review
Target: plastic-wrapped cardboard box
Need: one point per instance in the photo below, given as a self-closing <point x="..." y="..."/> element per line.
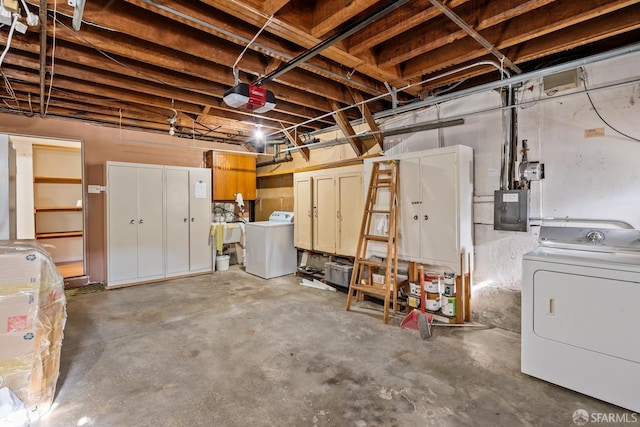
<point x="32" y="319"/>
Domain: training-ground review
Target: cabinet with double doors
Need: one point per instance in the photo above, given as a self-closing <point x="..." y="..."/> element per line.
<point x="231" y="174"/>
<point x="135" y="221"/>
<point x="328" y="206"/>
<point x="188" y="219"/>
<point x="158" y="220"/>
<point x="436" y="202"/>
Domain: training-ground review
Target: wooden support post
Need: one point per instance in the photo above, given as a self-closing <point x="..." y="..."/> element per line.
<point x="467" y="290"/>
<point x="413" y="271"/>
<point x="460" y="298"/>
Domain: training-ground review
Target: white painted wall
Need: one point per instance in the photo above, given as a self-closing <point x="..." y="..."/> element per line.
<point x="7" y="220"/>
<point x="25" y="227"/>
<point x="586" y="178"/>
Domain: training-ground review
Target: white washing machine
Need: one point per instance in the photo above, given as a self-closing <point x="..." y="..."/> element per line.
<point x="581" y="312"/>
<point x="270" y="248"/>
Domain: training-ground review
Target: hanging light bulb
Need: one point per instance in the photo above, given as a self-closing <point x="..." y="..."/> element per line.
<point x="172" y="121"/>
<point x="258" y="134"/>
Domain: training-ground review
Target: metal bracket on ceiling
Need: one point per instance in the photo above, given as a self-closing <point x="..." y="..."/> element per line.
<point x="78" y="10"/>
<point x="394" y="95"/>
<point x="475" y="35"/>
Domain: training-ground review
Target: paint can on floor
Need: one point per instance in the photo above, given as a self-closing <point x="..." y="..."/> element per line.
<point x="449" y="278"/>
<point x="449" y="290"/>
<point x="432" y="284"/>
<point x="432" y="303"/>
<point x="413" y="301"/>
<point x="222" y="262"/>
<point x="448" y="306"/>
<point x="414" y="288"/>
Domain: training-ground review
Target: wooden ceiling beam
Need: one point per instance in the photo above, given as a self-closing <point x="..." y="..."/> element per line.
<point x="161" y="31"/>
<point x="177" y="84"/>
<point x="173" y="54"/>
<point x="239" y="32"/>
<point x="93" y="88"/>
<point x="345" y="126"/>
<point x="107" y="119"/>
<point x="476" y="36"/>
<point x="545" y="20"/>
<point x="104" y="119"/>
<point x="441" y="31"/>
<point x="139" y="93"/>
<point x="295" y="140"/>
<point x="400" y="21"/>
<point x="368" y="117"/>
<point x="80" y="109"/>
<point x="287" y="26"/>
<point x="329" y="14"/>
<point x="83" y="102"/>
<point x="271" y="7"/>
<point x="597" y="29"/>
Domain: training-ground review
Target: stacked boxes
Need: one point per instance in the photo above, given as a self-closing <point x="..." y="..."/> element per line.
<point x="32" y="319"/>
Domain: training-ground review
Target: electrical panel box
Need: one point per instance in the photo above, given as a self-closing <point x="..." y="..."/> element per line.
<point x="511" y="210"/>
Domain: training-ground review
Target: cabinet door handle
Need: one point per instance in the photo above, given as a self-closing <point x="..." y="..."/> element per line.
<point x="193" y="219"/>
<point x="338" y="215"/>
<point x="141" y="221"/>
<point x="426" y="217"/>
<point x="309" y="213"/>
<point x="315" y="211"/>
<point x="186" y="220"/>
<point x="415" y="217"/>
<point x="133" y="221"/>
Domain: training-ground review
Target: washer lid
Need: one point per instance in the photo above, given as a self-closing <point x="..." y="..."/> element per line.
<point x="590" y="239"/>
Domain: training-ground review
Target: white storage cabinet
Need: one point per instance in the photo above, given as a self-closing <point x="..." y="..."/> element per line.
<point x="328" y="207"/>
<point x="188" y="219"/>
<point x="436" y="202"/>
<point x="135" y="221"/>
<point x="158" y="220"/>
<point x="303" y="210"/>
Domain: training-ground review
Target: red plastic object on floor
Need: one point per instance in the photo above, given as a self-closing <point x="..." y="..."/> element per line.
<point x="419" y="320"/>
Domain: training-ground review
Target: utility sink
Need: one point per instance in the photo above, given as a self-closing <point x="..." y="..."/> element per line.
<point x="231" y="231"/>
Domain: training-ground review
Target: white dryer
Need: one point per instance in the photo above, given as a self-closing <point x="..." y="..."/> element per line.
<point x="581" y="312"/>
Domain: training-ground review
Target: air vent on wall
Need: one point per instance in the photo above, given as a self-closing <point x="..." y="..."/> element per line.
<point x="554" y="83"/>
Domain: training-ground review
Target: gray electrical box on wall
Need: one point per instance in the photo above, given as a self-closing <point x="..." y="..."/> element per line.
<point x="511" y="210"/>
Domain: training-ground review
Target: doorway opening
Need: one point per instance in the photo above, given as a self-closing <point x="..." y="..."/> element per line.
<point x="50" y="200"/>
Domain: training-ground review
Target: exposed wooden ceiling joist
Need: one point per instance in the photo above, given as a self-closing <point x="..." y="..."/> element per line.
<point x="134" y="61"/>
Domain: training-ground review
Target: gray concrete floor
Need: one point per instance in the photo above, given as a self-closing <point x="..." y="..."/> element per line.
<point x="231" y="349"/>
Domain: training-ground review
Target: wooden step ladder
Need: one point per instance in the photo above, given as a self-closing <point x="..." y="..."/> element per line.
<point x="385" y="177"/>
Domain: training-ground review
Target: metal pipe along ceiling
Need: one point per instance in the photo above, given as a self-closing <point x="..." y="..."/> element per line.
<point x="346" y="32"/>
<point x="390" y="132"/>
<point x="261" y="47"/>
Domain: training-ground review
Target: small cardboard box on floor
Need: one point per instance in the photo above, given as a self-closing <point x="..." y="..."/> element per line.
<point x="32" y="319"/>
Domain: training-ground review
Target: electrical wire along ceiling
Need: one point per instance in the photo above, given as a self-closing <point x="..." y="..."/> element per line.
<point x="157" y="65"/>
